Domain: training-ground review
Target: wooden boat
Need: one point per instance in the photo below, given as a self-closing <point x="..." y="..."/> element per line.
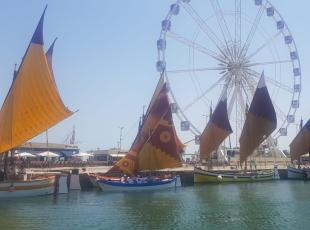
<point x="32" y="187"/>
<point x="143" y="185"/>
<point x="207" y="176"/>
<point x="300" y="146"/>
<point x="155" y="147"/>
<point x="259" y="124"/>
<point x="296" y="173"/>
<point x="32" y="105"/>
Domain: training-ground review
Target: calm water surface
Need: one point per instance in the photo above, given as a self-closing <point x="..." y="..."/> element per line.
<point x="269" y="205"/>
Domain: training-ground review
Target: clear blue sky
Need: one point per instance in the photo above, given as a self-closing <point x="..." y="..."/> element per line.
<point x="104" y="59"/>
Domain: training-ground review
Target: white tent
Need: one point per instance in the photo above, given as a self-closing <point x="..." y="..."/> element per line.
<point x="48" y="154"/>
<point x="24" y="155"/>
<point x="83" y="155"/>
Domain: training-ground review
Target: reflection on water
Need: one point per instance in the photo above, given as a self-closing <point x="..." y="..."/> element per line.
<point x="269" y="205"/>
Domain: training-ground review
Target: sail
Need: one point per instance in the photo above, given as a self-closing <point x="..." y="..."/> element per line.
<point x="301" y="143"/>
<point x="162" y="149"/>
<point x="260" y="121"/>
<point x="33" y="103"/>
<point x="217" y="129"/>
<point x="157" y="111"/>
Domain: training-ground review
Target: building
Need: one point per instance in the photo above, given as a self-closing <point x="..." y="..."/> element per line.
<point x="63" y="150"/>
<point x="110" y="156"/>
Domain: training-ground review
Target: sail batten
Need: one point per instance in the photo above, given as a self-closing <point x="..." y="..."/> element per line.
<point x="33" y="103"/>
<point x="260" y="121"/>
<point x="301" y="143"/>
<point x="217" y="129"/>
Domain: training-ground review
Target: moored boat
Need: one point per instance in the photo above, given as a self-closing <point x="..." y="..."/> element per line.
<point x="155" y="147"/>
<point x="147" y="184"/>
<point x="208" y="176"/>
<point x="260" y="122"/>
<point x="24" y="188"/>
<point x="296" y="173"/>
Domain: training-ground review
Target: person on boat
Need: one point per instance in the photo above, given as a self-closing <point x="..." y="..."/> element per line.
<point x="124" y="178"/>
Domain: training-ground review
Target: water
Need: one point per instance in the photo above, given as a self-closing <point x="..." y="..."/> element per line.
<point x="268" y="205"/>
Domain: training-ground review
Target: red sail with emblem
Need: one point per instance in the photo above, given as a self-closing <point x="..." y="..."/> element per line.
<point x="156" y="145"/>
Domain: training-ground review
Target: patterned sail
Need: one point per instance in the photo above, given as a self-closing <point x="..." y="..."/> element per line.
<point x="33" y="103"/>
<point x="301" y="143"/>
<point x="260" y="121"/>
<point x="217" y="129"/>
<point x="147" y="143"/>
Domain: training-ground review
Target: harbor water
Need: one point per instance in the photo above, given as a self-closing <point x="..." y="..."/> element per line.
<point x="267" y="205"/>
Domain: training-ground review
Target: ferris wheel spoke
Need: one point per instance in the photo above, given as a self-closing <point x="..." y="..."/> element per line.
<point x="204" y="27"/>
<point x="194" y="45"/>
<point x="205" y="92"/>
<point x="237" y="26"/>
<point x="232" y="101"/>
<point x="222" y="23"/>
<point x="263" y="46"/>
<point x="253" y="30"/>
<point x="272" y="81"/>
<point x="268" y="63"/>
<point x="177" y="71"/>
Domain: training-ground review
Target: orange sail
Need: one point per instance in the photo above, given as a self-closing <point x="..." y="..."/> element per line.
<point x="147" y="143"/>
<point x="260" y="121"/>
<point x="33" y="103"/>
<point x="301" y="143"/>
<point x="217" y="129"/>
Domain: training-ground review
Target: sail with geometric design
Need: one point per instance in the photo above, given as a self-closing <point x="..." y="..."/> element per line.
<point x="260" y="121"/>
<point x="156" y="145"/>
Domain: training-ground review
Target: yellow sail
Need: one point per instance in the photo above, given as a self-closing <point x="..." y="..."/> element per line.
<point x="33" y="103"/>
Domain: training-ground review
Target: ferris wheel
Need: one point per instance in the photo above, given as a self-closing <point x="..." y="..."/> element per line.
<point x="206" y="47"/>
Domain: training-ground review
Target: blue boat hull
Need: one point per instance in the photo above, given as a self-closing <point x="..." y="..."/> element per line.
<point x="108" y="185"/>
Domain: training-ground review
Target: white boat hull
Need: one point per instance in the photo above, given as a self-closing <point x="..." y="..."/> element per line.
<point x="294" y="173"/>
<point x="36" y="187"/>
<point x="118" y="186"/>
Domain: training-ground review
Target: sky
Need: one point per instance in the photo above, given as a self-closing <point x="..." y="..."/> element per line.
<point x="105" y="56"/>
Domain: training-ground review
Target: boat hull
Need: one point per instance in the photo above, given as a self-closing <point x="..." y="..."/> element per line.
<point x="35" y="187"/>
<point x="205" y="176"/>
<point x="296" y="174"/>
<point x="107" y="185"/>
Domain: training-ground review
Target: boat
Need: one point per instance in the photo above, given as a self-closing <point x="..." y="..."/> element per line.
<point x="259" y="124"/>
<point x="155" y="147"/>
<point x="32" y="105"/>
<point x="299" y="146"/>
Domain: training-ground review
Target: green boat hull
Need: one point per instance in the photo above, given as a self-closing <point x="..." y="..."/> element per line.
<point x="208" y="176"/>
